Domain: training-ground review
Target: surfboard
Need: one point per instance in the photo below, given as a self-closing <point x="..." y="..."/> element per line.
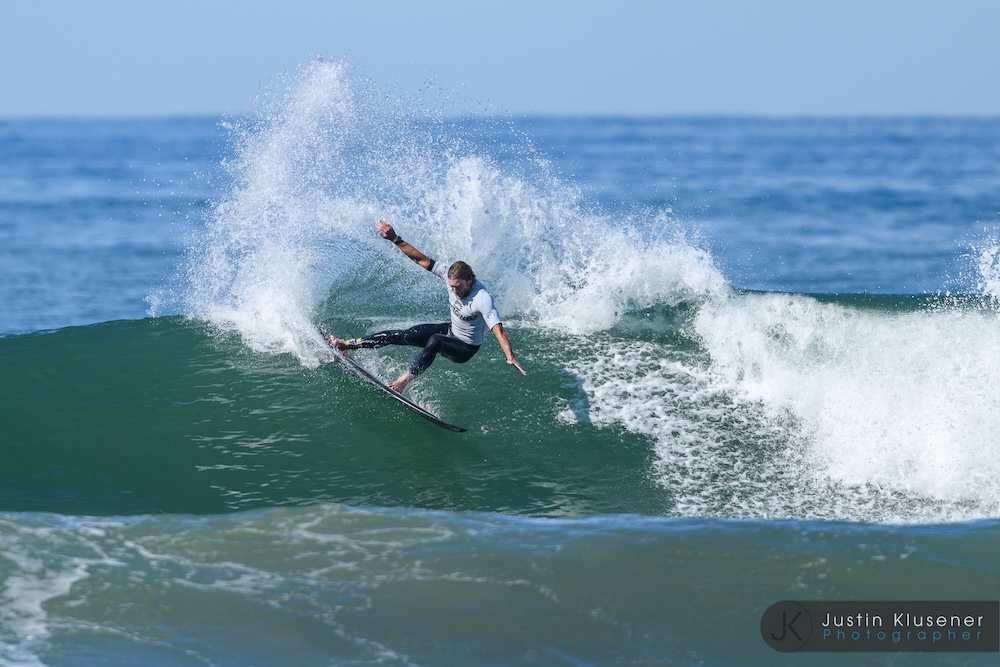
<point x="360" y="372"/>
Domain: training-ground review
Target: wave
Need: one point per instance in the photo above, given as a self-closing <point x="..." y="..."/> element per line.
<point x="709" y="400"/>
<point x="171" y="415"/>
<point x="753" y="406"/>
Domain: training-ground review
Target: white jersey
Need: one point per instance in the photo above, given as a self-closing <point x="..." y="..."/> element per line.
<point x="471" y="316"/>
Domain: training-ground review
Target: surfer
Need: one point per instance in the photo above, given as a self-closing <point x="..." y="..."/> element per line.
<point x="472" y="312"/>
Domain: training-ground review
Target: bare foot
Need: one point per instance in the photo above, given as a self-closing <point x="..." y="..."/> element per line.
<point x="336" y="343"/>
<point x="399" y="384"/>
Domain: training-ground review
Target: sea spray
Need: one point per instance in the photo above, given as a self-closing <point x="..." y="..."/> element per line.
<point x="325" y="158"/>
<point x="559" y="264"/>
<point x="984" y="258"/>
<point x="253" y="269"/>
<point x="313" y="167"/>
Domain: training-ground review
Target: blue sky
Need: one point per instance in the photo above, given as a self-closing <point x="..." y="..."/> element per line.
<point x="772" y="57"/>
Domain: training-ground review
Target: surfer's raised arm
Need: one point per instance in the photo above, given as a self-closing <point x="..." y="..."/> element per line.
<point x="386" y="231"/>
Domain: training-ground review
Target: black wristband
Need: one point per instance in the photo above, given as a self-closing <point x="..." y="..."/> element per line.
<point x="398" y="240"/>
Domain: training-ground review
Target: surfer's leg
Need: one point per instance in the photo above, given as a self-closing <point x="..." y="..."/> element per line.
<point x="416" y="336"/>
<point x="438" y="342"/>
<point x="445" y="345"/>
<point x="457" y="350"/>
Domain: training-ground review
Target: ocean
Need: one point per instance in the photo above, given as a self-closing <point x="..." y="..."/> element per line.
<point x="763" y="361"/>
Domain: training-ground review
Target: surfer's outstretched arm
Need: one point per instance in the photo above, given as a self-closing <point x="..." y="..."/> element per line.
<point x="386" y="231"/>
<point x="505" y="345"/>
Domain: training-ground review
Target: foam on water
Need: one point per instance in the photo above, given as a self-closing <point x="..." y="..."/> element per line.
<point x="901" y="403"/>
<point x="33" y="578"/>
<point x="327" y="583"/>
<point x="792" y="407"/>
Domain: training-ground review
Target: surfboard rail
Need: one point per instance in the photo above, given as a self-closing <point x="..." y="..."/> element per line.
<point x="361" y="373"/>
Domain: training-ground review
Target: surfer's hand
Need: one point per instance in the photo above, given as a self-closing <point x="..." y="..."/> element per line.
<point x="385" y="230"/>
<point x="513" y="362"/>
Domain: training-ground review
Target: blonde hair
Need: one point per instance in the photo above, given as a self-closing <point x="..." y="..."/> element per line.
<point x="461" y="271"/>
